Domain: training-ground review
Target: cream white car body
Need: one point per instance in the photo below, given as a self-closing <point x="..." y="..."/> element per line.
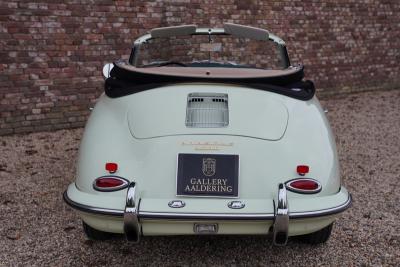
<point x="144" y="132"/>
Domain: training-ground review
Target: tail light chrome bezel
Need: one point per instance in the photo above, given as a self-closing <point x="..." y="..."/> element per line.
<point x="124" y="184"/>
<point x="289" y="186"/>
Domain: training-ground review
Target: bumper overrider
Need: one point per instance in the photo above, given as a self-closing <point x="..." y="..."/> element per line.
<point x="280" y="219"/>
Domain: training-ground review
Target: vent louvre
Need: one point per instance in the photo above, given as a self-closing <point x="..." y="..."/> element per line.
<point x="206" y="110"/>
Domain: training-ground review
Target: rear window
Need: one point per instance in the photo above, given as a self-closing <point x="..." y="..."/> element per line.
<point x="210" y="51"/>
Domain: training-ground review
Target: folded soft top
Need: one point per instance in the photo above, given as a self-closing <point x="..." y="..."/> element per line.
<point x="126" y="79"/>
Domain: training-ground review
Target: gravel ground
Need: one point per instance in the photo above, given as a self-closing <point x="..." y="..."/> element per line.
<point x="37" y="228"/>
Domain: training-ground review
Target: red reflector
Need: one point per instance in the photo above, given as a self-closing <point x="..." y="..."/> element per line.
<point x="111" y="167"/>
<point x="304" y="185"/>
<point x="302" y="169"/>
<point x="109" y="182"/>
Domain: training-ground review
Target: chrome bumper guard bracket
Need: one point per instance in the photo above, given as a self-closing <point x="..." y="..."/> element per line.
<point x="281" y="222"/>
<point x="132" y="227"/>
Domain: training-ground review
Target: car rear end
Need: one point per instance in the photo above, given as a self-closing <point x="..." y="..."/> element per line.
<point x="206" y="158"/>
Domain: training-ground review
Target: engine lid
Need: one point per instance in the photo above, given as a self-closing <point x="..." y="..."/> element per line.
<point x="207" y="109"/>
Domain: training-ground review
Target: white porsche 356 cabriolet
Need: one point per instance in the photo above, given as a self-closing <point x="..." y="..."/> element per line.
<point x="208" y="131"/>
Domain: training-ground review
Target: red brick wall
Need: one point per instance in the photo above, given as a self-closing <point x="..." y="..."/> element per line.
<point x="51" y="54"/>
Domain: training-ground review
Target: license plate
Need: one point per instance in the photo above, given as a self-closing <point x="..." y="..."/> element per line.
<point x="208" y="175"/>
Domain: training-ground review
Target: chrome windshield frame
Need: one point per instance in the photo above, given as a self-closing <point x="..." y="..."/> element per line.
<point x="209" y="31"/>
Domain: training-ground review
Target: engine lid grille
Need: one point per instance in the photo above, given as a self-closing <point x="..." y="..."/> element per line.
<point x="207" y="110"/>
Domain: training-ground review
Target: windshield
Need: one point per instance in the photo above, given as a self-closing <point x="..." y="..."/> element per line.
<point x="209" y="51"/>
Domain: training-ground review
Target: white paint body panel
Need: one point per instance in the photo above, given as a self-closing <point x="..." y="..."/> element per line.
<point x="144" y="133"/>
<point x="162" y="112"/>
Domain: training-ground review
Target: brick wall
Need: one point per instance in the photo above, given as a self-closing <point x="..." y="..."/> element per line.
<point x="51" y="54"/>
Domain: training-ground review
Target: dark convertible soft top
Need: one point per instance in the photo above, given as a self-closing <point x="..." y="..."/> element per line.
<point x="125" y="79"/>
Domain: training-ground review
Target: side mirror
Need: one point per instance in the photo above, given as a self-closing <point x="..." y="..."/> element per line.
<point x="107" y="70"/>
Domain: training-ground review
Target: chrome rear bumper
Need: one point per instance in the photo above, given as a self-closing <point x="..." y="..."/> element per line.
<point x="132" y="216"/>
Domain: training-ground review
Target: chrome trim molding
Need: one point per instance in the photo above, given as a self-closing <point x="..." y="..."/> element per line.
<point x="320" y="213"/>
<point x="281" y="222"/>
<point x="205" y="216"/>
<point x="91" y="209"/>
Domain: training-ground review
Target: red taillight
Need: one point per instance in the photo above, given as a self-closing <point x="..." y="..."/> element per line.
<point x="110" y="183"/>
<point x="302" y="169"/>
<point x="304" y="185"/>
<point x="111" y="167"/>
